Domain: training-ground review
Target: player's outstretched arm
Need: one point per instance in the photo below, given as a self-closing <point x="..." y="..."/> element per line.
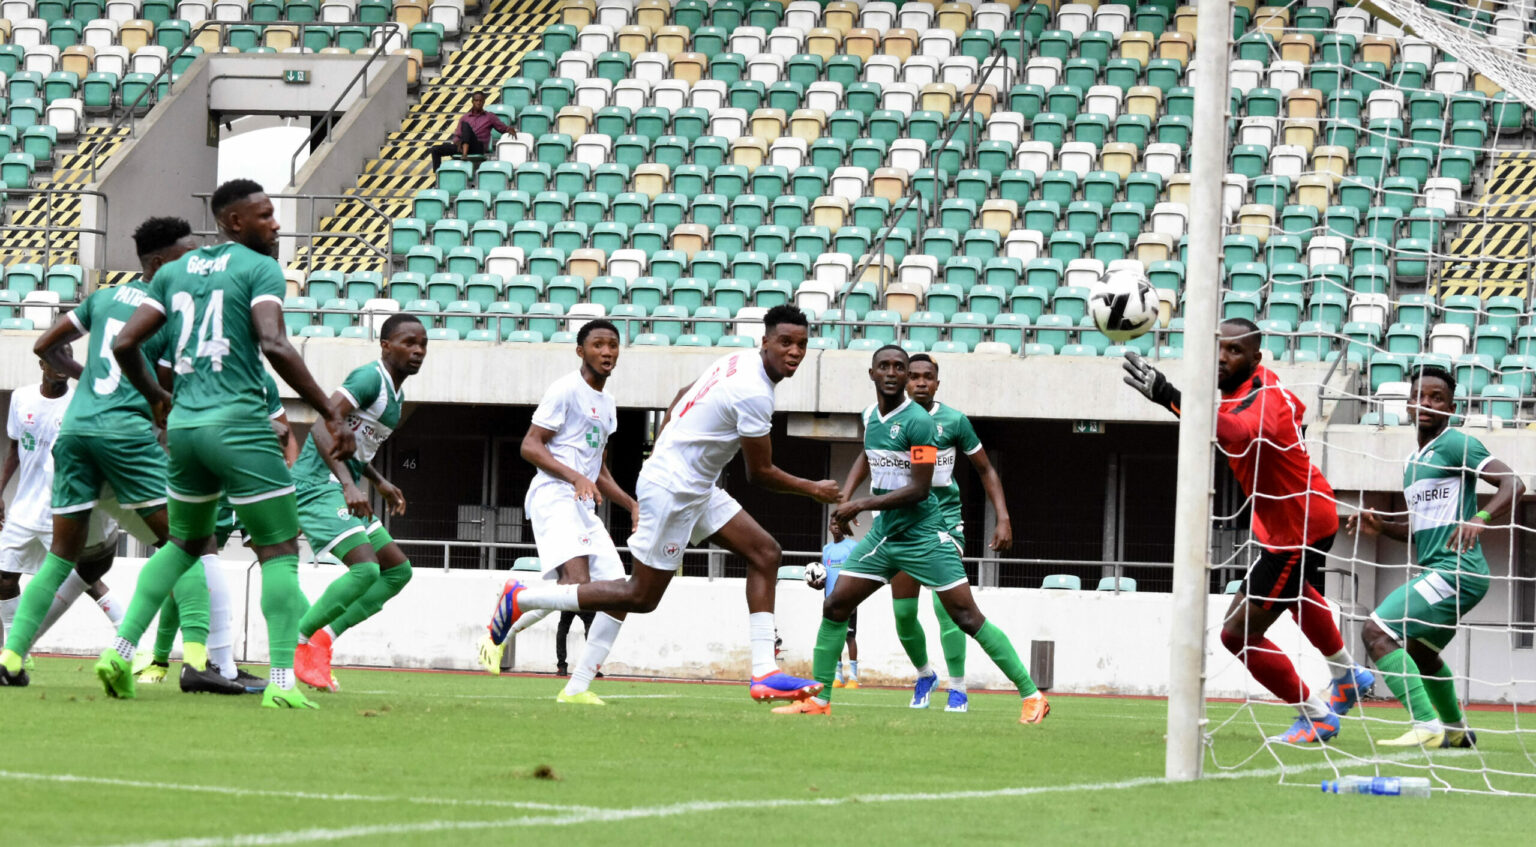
<point x="1002" y="532"/>
<point x="267" y="320"/>
<point x="1368" y="523"/>
<point x="391" y="493"/>
<point x="1498" y="474"/>
<point x="613" y="491"/>
<point x="145" y="322"/>
<point x="917" y="487"/>
<point x="12" y="462"/>
<point x="856" y="474"/>
<point x="535" y="451"/>
<point x="357" y="499"/>
<point x="757" y="452"/>
<point x="50" y="346"/>
<point x="1140" y="375"/>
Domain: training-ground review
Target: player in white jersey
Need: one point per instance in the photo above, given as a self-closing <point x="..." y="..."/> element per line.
<point x="26" y="529"/>
<point x="729" y="408"/>
<point x="567" y="441"/>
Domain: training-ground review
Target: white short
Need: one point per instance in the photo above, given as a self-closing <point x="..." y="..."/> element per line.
<point x="24" y="550"/>
<point x="670" y="522"/>
<point x="564" y="529"/>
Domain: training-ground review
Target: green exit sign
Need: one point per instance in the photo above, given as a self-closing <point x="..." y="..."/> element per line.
<point x="296" y="77"/>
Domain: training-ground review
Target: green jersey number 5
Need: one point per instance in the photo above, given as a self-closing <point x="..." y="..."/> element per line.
<point x="211" y="343"/>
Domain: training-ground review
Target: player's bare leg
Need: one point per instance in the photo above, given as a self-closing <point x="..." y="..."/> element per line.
<point x="851" y="590"/>
<point x="745" y="537"/>
<point x="600" y="637"/>
<point x="961" y="606"/>
<point x="1243" y="634"/>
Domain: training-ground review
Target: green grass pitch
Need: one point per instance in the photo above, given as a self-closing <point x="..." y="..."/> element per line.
<point x="417" y="758"/>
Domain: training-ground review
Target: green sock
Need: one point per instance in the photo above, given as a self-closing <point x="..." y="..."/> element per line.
<point x="951" y="639"/>
<point x="282" y="604"/>
<point x="35" y="602"/>
<point x="192" y="604"/>
<point x="1000" y="649"/>
<point x="910" y="633"/>
<point x="1402" y="675"/>
<point x="383" y="589"/>
<point x="155" y="581"/>
<point x="1440" y="687"/>
<point x="340" y="594"/>
<point x="829" y="648"/>
<point x="165" y="631"/>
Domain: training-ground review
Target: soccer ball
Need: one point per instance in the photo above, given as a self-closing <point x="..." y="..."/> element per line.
<point x="1124" y="304"/>
<point x="816" y="575"/>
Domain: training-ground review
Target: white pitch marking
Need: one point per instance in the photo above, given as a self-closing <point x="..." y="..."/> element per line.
<point x="233" y="791"/>
<point x="678" y="809"/>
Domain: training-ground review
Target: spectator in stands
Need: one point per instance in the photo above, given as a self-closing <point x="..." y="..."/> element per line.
<point x="472" y="137"/>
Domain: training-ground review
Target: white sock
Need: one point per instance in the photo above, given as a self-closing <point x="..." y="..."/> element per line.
<point x="957" y="684"/>
<point x="65" y="597"/>
<point x="221" y="634"/>
<point x="282" y="678"/>
<point x="113" y="608"/>
<point x="8" y="614"/>
<point x="600" y="638"/>
<point x="1429" y="726"/>
<point x="1340" y="663"/>
<point x="559" y="598"/>
<point x="1314" y="707"/>
<point x="125" y="648"/>
<point x="926" y="670"/>
<point x="1038" y="695"/>
<point x="760" y="632"/>
<point x="529" y="618"/>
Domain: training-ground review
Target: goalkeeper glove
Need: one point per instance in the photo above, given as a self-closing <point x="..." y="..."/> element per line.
<point x="1140" y="375"/>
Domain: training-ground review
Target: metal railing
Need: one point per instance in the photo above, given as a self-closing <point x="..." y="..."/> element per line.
<point x="988" y="567"/>
<point x="876" y="252"/>
<point x="208" y="226"/>
<point x="49" y="229"/>
<point x="131" y="111"/>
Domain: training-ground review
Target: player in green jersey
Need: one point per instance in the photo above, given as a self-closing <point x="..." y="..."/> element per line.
<point x="909" y="535"/>
<point x="955" y="436"/>
<point x="152" y="668"/>
<point x="223" y="307"/>
<point x="1410" y="628"/>
<point x="107" y="443"/>
<point x="335" y="513"/>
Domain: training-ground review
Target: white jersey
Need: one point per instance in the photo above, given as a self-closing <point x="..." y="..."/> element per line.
<point x="731" y="401"/>
<point x="582" y="419"/>
<point x="33" y="424"/>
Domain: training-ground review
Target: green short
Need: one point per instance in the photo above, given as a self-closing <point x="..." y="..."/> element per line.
<point x="1429" y="606"/>
<point x="926" y="553"/>
<point x="331" y="527"/>
<point x="243" y="463"/>
<point x="133" y="465"/>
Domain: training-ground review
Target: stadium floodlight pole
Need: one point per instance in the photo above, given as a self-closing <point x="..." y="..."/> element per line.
<point x="1191" y="534"/>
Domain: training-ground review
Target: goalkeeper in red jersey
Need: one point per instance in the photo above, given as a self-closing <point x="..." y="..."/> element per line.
<point x="1295" y="517"/>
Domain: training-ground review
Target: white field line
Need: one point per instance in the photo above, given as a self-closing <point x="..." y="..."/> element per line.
<point x="232" y="791"/>
<point x="316" y="835"/>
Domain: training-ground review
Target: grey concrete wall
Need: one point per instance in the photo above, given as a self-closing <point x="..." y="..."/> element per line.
<point x="169" y="158"/>
<point x="157" y="171"/>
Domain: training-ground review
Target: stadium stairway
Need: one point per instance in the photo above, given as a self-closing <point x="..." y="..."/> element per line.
<point x="72" y="168"/>
<point x="491" y="51"/>
<point x="1494" y="259"/>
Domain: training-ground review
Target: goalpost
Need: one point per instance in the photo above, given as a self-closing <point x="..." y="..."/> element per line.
<point x="1191" y="534"/>
<point x="1491" y="658"/>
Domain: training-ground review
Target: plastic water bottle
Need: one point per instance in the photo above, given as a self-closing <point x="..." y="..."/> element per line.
<point x="1380" y="786"/>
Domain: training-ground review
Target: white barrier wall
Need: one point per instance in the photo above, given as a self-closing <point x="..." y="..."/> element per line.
<point x="1105" y="643"/>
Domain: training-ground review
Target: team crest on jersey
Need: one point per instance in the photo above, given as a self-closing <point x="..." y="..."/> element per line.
<point x="671" y="550"/>
<point x="343" y="513"/>
<point x="585" y="540"/>
<point x="28" y="441"/>
<point x="895" y="428"/>
<point x="940" y="429"/>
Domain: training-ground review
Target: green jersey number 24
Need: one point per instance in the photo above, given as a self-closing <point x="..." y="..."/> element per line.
<point x="211" y="343"/>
